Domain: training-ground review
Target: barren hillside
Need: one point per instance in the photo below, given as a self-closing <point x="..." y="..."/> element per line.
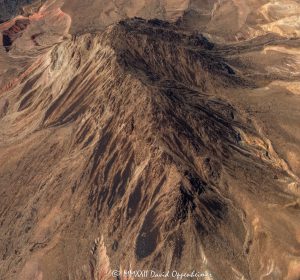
<point x="145" y="144"/>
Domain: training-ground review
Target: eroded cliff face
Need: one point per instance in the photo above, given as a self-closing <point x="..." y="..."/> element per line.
<point x="139" y="147"/>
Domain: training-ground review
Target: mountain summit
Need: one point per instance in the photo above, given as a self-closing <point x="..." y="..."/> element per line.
<point x="147" y="145"/>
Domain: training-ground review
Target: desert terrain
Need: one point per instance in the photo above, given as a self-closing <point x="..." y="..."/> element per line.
<point x="149" y="135"/>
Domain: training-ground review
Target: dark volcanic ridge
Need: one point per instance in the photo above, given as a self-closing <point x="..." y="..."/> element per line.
<point x="126" y="154"/>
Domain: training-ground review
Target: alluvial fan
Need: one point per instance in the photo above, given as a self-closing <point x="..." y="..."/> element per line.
<point x="129" y="149"/>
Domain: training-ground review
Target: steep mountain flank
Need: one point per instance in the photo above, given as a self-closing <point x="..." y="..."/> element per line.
<point x="121" y="150"/>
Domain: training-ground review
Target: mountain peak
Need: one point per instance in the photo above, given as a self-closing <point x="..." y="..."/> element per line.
<point x="146" y="145"/>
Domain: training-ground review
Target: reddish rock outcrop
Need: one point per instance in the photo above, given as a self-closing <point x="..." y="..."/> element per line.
<point x="14" y="32"/>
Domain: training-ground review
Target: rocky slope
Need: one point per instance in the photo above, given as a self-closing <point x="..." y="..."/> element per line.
<point x="222" y="20"/>
<point x="11" y="8"/>
<point x="147" y="146"/>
